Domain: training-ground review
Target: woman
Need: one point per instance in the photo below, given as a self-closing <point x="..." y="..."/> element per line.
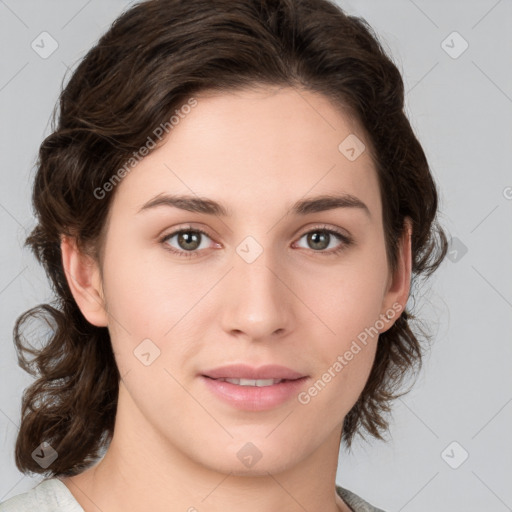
<point x="231" y="210"/>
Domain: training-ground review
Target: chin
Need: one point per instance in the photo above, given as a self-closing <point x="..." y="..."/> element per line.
<point x="262" y="472"/>
<point x="247" y="460"/>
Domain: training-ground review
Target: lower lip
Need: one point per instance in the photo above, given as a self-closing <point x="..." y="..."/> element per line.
<point x="254" y="398"/>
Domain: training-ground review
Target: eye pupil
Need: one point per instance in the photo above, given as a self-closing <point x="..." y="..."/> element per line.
<point x="189" y="237"/>
<point x="319" y="237"/>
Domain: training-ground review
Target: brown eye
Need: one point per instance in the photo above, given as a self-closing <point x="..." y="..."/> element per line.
<point x="320" y="239"/>
<point x="188" y="242"/>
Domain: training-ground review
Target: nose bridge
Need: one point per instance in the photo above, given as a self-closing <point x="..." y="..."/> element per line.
<point x="257" y="303"/>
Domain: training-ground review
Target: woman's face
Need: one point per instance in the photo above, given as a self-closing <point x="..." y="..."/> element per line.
<point x="269" y="282"/>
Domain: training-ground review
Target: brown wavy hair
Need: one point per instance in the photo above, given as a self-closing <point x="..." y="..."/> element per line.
<point x="149" y="62"/>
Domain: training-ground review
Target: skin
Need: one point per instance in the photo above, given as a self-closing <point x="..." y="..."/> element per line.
<point x="175" y="444"/>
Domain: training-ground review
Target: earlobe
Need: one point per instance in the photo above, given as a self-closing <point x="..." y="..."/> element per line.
<point x="84" y="281"/>
<point x="400" y="282"/>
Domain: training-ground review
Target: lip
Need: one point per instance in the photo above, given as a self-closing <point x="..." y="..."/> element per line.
<point x="243" y="371"/>
<point x="253" y="398"/>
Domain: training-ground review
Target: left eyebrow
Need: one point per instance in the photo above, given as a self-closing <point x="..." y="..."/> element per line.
<point x="328" y="202"/>
<point x="211" y="207"/>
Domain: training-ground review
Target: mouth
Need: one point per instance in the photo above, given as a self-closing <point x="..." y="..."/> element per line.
<point x="260" y="383"/>
<point x="245" y="374"/>
<point x="253" y="389"/>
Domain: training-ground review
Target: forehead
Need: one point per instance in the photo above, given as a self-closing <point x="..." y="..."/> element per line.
<point x="279" y="144"/>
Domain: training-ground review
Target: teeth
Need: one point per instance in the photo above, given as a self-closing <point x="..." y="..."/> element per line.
<point x="253" y="382"/>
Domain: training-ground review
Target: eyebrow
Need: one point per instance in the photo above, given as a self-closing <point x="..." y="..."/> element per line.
<point x="210" y="207"/>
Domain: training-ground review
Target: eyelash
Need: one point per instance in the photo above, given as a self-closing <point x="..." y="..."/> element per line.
<point x="346" y="241"/>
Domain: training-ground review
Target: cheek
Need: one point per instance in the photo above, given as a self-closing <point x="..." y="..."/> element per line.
<point x="350" y="300"/>
<point x="345" y="357"/>
<point x="349" y="304"/>
<point x="141" y="294"/>
<point x="149" y="298"/>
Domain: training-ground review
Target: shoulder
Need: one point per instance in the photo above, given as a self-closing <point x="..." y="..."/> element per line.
<point x="356" y="503"/>
<point x="50" y="495"/>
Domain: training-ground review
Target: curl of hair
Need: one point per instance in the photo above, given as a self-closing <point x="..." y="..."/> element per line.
<point x="155" y="57"/>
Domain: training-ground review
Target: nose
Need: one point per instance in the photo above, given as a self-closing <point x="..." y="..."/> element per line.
<point x="257" y="303"/>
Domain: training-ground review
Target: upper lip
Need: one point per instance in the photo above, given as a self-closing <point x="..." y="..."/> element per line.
<point x="242" y="371"/>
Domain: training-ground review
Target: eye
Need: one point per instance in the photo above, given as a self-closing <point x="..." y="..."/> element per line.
<point x="321" y="238"/>
<point x="189" y="241"/>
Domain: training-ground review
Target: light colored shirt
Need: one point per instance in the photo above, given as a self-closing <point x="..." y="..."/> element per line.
<point x="52" y="495"/>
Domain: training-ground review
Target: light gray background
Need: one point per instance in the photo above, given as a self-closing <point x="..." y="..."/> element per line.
<point x="461" y="109"/>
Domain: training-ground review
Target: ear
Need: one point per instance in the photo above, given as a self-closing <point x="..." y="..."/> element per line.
<point x="399" y="283"/>
<point x="84" y="280"/>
